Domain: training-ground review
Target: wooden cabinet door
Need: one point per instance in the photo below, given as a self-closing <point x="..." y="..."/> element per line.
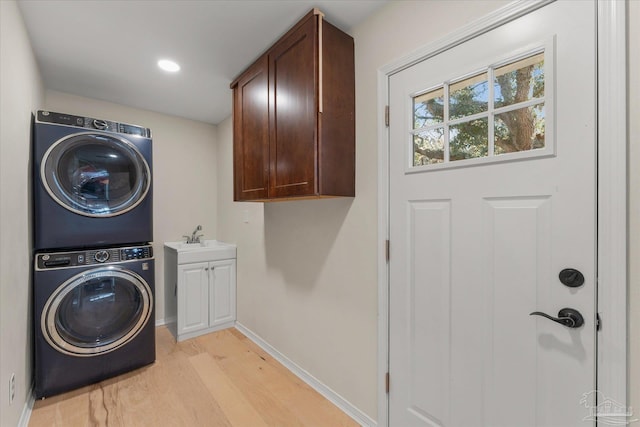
<point x="293" y="73"/>
<point x="193" y="297"/>
<point x="251" y="133"/>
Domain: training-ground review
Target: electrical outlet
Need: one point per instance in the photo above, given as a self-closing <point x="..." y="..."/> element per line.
<point x="12" y="388"/>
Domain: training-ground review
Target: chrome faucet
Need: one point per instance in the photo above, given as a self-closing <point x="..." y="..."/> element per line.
<point x="195" y="237"/>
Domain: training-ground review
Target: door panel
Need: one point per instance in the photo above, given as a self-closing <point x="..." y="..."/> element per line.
<point x="477" y="245"/>
<point x="513" y="280"/>
<point x="430" y="240"/>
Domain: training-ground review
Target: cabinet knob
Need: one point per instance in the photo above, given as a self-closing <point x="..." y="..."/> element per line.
<point x="206" y="269"/>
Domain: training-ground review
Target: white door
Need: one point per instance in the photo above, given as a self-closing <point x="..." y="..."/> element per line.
<point x="492" y="195"/>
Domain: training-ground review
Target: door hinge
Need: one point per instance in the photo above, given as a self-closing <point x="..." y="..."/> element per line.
<point x="386" y="115"/>
<point x="386" y="249"/>
<point x="598" y="322"/>
<point x="386" y="382"/>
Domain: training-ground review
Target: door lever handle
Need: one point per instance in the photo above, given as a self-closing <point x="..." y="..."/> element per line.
<point x="567" y="316"/>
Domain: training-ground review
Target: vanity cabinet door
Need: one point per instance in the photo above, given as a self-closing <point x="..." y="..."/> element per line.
<point x="193" y="297"/>
<point x="222" y="292"/>
<point x="251" y="133"/>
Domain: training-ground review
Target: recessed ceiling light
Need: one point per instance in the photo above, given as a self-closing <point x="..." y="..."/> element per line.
<point x="168" y="65"/>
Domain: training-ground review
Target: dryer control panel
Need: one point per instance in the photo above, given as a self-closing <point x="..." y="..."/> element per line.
<point x="91" y="123"/>
<point x="48" y="261"/>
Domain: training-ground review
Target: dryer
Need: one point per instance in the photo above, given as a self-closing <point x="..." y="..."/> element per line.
<point x="93" y="316"/>
<point x="91" y="182"/>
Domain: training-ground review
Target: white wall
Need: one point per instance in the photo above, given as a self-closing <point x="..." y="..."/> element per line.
<point x="184" y="171"/>
<point x="307" y="272"/>
<point x="633" y="118"/>
<point x="20" y="93"/>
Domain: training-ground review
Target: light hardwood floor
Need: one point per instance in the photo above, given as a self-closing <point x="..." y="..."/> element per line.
<point x="219" y="379"/>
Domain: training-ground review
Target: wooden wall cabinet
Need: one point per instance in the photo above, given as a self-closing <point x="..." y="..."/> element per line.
<point x="294" y="117"/>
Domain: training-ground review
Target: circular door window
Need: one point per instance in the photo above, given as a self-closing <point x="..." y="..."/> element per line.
<point x="96" y="312"/>
<point x="95" y="174"/>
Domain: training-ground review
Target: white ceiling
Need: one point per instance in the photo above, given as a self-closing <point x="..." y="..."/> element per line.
<point x="108" y="49"/>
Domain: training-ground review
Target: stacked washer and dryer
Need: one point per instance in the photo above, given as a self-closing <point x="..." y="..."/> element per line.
<point x="93" y="271"/>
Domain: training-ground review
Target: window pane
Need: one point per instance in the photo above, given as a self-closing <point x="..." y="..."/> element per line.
<point x="428" y="108"/>
<point x="469" y="140"/>
<point x="519" y="130"/>
<point x="428" y="147"/>
<point x="519" y="81"/>
<point x="469" y="96"/>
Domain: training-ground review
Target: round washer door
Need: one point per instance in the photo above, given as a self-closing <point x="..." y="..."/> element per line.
<point x="96" y="312"/>
<point x="95" y="174"/>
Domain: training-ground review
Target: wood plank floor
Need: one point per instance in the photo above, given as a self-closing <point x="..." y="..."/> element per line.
<point x="219" y="379"/>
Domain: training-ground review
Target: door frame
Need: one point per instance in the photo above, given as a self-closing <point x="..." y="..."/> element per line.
<point x="612" y="343"/>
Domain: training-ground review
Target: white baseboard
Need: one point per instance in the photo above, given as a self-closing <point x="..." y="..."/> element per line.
<point x="359" y="416"/>
<point x="26" y="410"/>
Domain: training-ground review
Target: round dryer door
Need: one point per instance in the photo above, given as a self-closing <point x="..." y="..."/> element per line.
<point x="96" y="312"/>
<point x="95" y="174"/>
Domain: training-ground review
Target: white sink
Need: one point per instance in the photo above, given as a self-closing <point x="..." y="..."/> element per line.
<point x="207" y="250"/>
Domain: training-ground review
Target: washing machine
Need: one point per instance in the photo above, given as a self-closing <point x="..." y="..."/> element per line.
<point x="91" y="182"/>
<point x="94" y="316"/>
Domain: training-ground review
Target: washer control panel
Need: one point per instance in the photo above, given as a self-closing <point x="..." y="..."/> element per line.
<point x="47" y="261"/>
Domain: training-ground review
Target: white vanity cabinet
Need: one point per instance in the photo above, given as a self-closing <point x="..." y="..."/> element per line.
<point x="206" y="297"/>
<point x="204" y="288"/>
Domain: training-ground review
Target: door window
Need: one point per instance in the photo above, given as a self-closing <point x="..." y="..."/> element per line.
<point x="468" y="118"/>
<point x="97" y="312"/>
<point x="96" y="175"/>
